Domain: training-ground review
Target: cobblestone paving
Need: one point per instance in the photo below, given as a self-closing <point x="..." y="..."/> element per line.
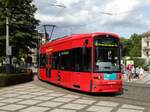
<point x="32" y="98"/>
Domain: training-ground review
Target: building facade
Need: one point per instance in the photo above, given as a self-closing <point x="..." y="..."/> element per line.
<point x="145" y="51"/>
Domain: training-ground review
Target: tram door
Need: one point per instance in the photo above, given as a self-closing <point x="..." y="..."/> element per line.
<point x="58" y="68"/>
<point x="48" y="65"/>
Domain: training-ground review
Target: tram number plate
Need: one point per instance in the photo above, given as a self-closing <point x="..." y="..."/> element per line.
<point x="110" y="76"/>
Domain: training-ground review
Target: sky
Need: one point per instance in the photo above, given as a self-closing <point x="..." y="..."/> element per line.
<point x="123" y="17"/>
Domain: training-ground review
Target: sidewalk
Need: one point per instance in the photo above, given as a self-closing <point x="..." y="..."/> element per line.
<point x="145" y="80"/>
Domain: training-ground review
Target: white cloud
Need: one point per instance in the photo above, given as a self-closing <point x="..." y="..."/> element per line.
<point x="122" y="5"/>
<point x="49" y="19"/>
<point x="114" y="16"/>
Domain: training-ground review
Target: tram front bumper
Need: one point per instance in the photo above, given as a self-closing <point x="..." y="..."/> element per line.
<point x="108" y="87"/>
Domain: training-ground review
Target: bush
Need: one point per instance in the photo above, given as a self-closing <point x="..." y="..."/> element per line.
<point x="2" y="69"/>
<point x="11" y="79"/>
<point x="139" y="62"/>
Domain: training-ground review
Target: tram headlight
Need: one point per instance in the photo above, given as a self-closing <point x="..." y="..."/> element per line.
<point x="99" y="77"/>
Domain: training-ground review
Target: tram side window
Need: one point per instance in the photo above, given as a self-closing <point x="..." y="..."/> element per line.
<point x="55" y="60"/>
<point x="42" y="60"/>
<point x="65" y="60"/>
<point x="77" y="55"/>
<point x="77" y="59"/>
<point x="87" y="60"/>
<point x="81" y="60"/>
<point x="48" y="59"/>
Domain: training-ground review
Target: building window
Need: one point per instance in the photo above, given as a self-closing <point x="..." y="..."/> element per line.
<point x="147" y="54"/>
<point x="147" y="43"/>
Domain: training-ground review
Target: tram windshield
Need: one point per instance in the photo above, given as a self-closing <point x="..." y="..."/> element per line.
<point x="106" y="55"/>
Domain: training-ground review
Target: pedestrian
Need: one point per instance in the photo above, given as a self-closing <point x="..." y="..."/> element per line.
<point x="123" y="71"/>
<point x="129" y="66"/>
<point x="141" y="72"/>
<point x="137" y="72"/>
<point x="133" y="71"/>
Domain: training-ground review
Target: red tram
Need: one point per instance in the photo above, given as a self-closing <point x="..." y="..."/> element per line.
<point x="86" y="62"/>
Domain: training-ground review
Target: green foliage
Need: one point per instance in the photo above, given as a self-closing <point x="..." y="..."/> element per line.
<point x="139" y="62"/>
<point x="22" y="24"/>
<point x="135" y="46"/>
<point x="125" y="48"/>
<point x="132" y="46"/>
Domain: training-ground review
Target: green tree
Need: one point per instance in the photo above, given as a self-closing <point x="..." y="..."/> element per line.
<point x="132" y="46"/>
<point x="125" y="46"/>
<point x="135" y="46"/>
<point x="22" y="24"/>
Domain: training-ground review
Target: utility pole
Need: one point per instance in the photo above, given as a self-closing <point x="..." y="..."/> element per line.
<point x="8" y="48"/>
<point x="53" y="26"/>
<point x="7" y="34"/>
<point x="45" y="31"/>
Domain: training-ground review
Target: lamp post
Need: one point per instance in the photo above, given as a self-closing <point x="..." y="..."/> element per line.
<point x="8" y="48"/>
<point x="7" y="35"/>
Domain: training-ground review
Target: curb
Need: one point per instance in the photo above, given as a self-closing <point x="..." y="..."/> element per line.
<point x="136" y="84"/>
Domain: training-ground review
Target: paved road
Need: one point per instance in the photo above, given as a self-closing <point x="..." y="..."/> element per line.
<point x="39" y="96"/>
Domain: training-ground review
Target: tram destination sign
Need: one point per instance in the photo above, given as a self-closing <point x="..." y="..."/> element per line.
<point x="110" y="42"/>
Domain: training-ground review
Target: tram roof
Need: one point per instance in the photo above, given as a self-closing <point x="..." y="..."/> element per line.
<point x="76" y="37"/>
